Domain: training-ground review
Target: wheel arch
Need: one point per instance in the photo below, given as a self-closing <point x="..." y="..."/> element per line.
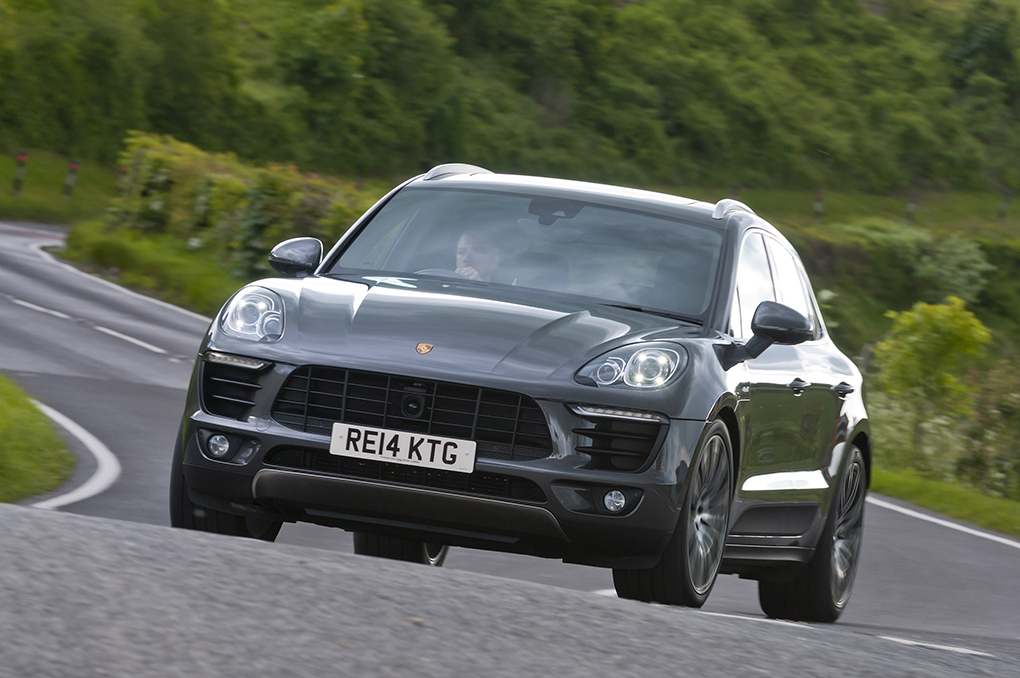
<point x="725" y="411"/>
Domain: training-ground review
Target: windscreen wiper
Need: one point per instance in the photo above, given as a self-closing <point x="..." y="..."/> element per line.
<point x="654" y="311"/>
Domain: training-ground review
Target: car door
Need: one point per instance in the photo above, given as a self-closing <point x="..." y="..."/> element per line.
<point x="818" y="369"/>
<point x="770" y="410"/>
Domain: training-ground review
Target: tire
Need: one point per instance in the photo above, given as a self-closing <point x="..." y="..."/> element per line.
<point x="820" y="591"/>
<point x="395" y="548"/>
<point x="690" y="564"/>
<point x="186" y="515"/>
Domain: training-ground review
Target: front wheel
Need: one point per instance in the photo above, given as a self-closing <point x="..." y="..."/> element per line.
<point x="395" y="548"/>
<point x="823" y="588"/>
<point x="689" y="565"/>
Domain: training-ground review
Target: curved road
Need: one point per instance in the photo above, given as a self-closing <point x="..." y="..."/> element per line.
<point x="118" y="365"/>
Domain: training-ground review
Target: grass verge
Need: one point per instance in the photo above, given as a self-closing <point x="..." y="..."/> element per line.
<point x="950" y="499"/>
<point x="33" y="458"/>
<point x="41" y="198"/>
<point x="159" y="265"/>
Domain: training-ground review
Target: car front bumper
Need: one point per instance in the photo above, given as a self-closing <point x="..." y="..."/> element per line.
<point x="570" y="523"/>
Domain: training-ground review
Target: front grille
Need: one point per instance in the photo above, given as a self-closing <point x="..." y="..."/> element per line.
<point x="228" y="390"/>
<point x="619" y="444"/>
<point x="477" y="483"/>
<point x="507" y="426"/>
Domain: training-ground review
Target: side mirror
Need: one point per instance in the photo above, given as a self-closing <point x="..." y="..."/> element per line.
<point x="772" y="324"/>
<point x="781" y="324"/>
<point x="297" y="257"/>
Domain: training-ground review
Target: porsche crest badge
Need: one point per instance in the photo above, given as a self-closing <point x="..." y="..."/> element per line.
<point x="423" y="348"/>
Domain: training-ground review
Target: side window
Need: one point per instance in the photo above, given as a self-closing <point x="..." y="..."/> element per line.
<point x="790" y="282"/>
<point x="754" y="281"/>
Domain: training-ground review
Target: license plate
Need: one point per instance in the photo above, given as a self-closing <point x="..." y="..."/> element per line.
<point x="401" y="447"/>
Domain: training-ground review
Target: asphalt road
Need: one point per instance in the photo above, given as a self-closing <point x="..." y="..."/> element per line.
<point x="118" y="365"/>
<point x="93" y="597"/>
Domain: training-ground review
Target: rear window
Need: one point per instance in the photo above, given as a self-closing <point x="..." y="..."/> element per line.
<point x="556" y="245"/>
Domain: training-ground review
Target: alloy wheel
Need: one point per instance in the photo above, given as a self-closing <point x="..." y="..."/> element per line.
<point x="709" y="514"/>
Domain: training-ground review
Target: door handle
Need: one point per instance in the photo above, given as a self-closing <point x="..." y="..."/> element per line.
<point x="798" y="386"/>
<point x="843" y="389"/>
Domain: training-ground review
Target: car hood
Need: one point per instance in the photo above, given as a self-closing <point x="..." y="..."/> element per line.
<point x="470" y="327"/>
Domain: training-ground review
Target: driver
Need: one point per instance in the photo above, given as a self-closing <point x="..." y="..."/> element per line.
<point x="479" y="254"/>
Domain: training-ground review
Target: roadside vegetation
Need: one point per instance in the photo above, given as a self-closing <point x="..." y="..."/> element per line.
<point x="880" y="137"/>
<point x="877" y="96"/>
<point x="194" y="226"/>
<point x="950" y="499"/>
<point x="33" y="458"/>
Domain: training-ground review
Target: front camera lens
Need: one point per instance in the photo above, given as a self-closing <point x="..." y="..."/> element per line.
<point x="412" y="407"/>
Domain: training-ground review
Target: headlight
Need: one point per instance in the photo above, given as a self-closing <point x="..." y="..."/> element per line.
<point x="640" y="366"/>
<point x="254" y="313"/>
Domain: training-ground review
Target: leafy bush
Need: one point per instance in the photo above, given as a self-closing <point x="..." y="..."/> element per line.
<point x="921" y="361"/>
<point x="927" y="350"/>
<point x="953" y="267"/>
<point x="217" y="205"/>
<point x="873" y="264"/>
<point x="991" y="460"/>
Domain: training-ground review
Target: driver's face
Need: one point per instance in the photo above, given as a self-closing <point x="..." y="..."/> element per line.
<point x="475" y="259"/>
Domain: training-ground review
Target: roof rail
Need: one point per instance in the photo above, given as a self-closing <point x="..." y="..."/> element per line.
<point x="454" y="168"/>
<point x="728" y="205"/>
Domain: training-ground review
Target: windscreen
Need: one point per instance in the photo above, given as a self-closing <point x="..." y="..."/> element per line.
<point x="556" y="245"/>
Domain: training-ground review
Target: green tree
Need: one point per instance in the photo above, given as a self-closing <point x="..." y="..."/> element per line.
<point x="923" y="357"/>
<point x="953" y="267"/>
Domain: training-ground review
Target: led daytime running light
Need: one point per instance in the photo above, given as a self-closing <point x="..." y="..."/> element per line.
<point x="234" y="360"/>
<point x="592" y="411"/>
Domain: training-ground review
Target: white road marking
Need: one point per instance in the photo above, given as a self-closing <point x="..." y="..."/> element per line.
<point x="136" y="342"/>
<point x="756" y="619"/>
<point x="609" y="593"/>
<point x="106" y="474"/>
<point x="933" y="646"/>
<point x="38" y="249"/>
<point x="26" y="304"/>
<point x="944" y="523"/>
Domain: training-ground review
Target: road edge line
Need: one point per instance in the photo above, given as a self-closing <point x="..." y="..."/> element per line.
<point x="936" y="646"/>
<point x="944" y="523"/>
<point x="106" y="474"/>
<point x="137" y="342"/>
<point x="38" y="249"/>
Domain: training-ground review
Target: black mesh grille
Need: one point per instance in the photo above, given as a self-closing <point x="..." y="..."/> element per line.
<point x="619" y="444"/>
<point x="228" y="390"/>
<point x="482" y="484"/>
<point x="504" y="425"/>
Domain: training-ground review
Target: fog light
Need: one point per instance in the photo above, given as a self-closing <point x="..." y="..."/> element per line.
<point x="219" y="446"/>
<point x="614" y="501"/>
